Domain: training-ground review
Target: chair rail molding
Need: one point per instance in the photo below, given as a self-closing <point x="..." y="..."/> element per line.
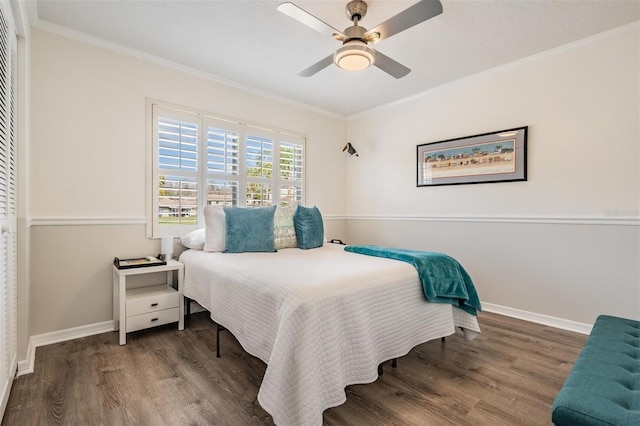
<point x="84" y="221"/>
<point x="560" y="220"/>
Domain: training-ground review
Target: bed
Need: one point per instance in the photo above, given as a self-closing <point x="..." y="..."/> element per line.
<point x="320" y="319"/>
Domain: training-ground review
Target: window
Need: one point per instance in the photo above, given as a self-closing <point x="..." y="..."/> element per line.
<point x="200" y="159"/>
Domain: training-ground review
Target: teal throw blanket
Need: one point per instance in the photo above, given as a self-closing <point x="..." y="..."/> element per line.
<point x="443" y="279"/>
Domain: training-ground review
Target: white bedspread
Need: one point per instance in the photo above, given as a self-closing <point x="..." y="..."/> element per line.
<point x="320" y="319"/>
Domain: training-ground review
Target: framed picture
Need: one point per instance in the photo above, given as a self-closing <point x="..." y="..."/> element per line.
<point x="487" y="158"/>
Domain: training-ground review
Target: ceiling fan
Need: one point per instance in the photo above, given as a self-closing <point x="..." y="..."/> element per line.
<point x="355" y="54"/>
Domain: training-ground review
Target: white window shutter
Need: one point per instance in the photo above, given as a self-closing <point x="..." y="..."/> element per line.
<point x="199" y="159"/>
<point x="291" y="169"/>
<point x="221" y="162"/>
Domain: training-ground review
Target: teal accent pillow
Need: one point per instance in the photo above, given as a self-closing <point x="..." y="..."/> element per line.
<point x="309" y="228"/>
<point x="249" y="229"/>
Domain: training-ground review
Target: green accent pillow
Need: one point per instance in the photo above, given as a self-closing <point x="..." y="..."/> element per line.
<point x="249" y="229"/>
<point x="309" y="228"/>
<point x="284" y="230"/>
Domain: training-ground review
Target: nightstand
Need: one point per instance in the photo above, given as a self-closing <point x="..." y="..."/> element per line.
<point x="145" y="307"/>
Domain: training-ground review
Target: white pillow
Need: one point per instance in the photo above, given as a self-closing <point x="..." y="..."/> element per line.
<point x="215" y="230"/>
<point x="194" y="239"/>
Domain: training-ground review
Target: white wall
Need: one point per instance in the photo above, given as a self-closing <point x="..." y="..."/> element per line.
<point x="87" y="168"/>
<point x="565" y="243"/>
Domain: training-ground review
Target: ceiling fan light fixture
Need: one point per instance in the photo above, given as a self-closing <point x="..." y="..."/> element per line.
<point x="354" y="56"/>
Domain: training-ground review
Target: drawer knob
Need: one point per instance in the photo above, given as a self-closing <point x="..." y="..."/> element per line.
<point x="153" y="305"/>
<point x="154" y="319"/>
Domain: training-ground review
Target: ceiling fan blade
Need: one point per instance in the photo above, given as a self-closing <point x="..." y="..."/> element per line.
<point x="391" y="67"/>
<point x="308" y="19"/>
<point x="413" y="15"/>
<point x="318" y="66"/>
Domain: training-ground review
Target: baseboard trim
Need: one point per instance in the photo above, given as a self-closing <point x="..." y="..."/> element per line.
<point x="563" y="324"/>
<point x="27" y="366"/>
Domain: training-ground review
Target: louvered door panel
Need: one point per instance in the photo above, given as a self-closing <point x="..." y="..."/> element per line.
<point x="8" y="205"/>
<point x="5" y="96"/>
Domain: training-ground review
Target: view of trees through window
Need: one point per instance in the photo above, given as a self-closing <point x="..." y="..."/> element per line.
<point x="196" y="167"/>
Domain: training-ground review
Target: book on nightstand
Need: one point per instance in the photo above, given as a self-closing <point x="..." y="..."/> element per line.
<point x="139" y="262"/>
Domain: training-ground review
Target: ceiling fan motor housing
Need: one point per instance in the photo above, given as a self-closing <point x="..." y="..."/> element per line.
<point x="355" y="33"/>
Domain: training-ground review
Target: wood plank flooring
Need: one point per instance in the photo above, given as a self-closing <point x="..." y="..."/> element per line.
<point x="509" y="375"/>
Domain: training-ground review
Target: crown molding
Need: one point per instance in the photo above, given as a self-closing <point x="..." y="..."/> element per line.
<point x="634" y="26"/>
<point x="128" y="51"/>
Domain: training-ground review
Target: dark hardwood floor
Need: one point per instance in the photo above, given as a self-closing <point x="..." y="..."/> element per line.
<point x="509" y="375"/>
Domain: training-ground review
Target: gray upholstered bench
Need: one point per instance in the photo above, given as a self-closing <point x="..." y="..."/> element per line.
<point x="603" y="387"/>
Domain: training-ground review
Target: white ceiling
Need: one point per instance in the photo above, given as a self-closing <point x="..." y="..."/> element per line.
<point x="254" y="45"/>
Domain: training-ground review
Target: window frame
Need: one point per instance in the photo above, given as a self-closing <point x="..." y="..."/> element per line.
<point x="204" y="121"/>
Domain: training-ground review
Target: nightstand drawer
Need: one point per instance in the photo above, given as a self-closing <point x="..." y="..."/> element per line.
<point x="144" y="307"/>
<point x="152" y="319"/>
<point x="151" y="299"/>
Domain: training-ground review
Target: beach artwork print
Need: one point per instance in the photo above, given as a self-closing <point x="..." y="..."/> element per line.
<point x="471" y="160"/>
<point x="490" y="157"/>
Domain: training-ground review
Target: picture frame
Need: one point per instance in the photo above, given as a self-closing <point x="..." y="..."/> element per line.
<point x="485" y="158"/>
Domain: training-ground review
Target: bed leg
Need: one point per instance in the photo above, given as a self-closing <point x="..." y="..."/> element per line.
<point x="442" y="339"/>
<point x="217" y="340"/>
<point x="187" y="308"/>
<point x="219" y="328"/>
<point x="394" y="364"/>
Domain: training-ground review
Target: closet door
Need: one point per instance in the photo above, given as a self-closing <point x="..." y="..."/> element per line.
<point x="8" y="278"/>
